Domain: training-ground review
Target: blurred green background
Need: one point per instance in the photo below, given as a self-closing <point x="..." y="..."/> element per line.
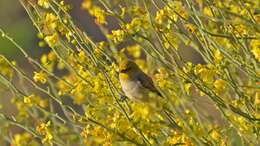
<point x="14" y="21"/>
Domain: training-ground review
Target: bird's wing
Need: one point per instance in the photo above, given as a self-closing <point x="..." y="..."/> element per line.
<point x="147" y="82"/>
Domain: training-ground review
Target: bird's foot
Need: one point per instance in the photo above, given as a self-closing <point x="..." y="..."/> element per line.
<point x="123" y="98"/>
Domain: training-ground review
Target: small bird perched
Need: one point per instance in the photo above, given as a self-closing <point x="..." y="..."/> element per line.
<point x="138" y="87"/>
<point x="135" y="83"/>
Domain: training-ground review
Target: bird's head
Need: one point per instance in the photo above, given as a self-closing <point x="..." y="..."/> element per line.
<point x="127" y="66"/>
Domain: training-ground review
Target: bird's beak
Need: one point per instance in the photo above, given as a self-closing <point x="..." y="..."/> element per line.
<point x="123" y="70"/>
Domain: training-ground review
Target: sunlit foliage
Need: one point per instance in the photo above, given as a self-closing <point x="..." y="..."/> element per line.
<point x="77" y="99"/>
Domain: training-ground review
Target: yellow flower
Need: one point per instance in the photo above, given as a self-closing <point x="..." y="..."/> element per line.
<point x="191" y="28"/>
<point x="44" y="59"/>
<point x="44" y="129"/>
<point x="95" y="11"/>
<point x="52" y="56"/>
<point x="187" y="88"/>
<point x="117" y="36"/>
<point x="165" y="17"/>
<point x="136" y="25"/>
<point x="51" y="21"/>
<point x="123" y="12"/>
<point x="257" y="98"/>
<point x="215" y="135"/>
<point x="134" y="50"/>
<point x="241" y="29"/>
<point x="207" y="11"/>
<point x="35" y="100"/>
<point x="179" y="8"/>
<point x="220" y="85"/>
<point x="82" y="56"/>
<point x="40" y="77"/>
<point x="44" y="3"/>
<point x="101" y="46"/>
<point x="257" y="18"/>
<point x="22" y="139"/>
<point x="86" y="4"/>
<point x="6" y="69"/>
<point x="43" y="103"/>
<point x="218" y="56"/>
<point x="255" y="45"/>
<point x="178" y="138"/>
<point x="68" y="36"/>
<point x="28" y="100"/>
<point x="141" y="111"/>
<point x="99" y="14"/>
<point x="48" y="138"/>
<point x="170" y="40"/>
<point x="206" y="72"/>
<point x="52" y="39"/>
<point x="86" y="132"/>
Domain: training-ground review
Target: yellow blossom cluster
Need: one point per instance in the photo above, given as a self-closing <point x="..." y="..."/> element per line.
<point x="202" y="56"/>
<point x="44" y="3"/>
<point x="255" y="44"/>
<point x="6" y="68"/>
<point x="166" y="17"/>
<point x="44" y="129"/>
<point x="23" y="139"/>
<point x="96" y="11"/>
<point x="40" y="77"/>
<point x="35" y="100"/>
<point x="136" y="25"/>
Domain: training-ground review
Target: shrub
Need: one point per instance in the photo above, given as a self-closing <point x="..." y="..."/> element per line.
<point x="73" y="96"/>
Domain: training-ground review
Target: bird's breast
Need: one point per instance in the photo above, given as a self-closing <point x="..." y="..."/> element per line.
<point x="128" y="84"/>
<point x="133" y="89"/>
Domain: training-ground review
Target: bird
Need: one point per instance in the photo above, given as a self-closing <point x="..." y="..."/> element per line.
<point x="136" y="85"/>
